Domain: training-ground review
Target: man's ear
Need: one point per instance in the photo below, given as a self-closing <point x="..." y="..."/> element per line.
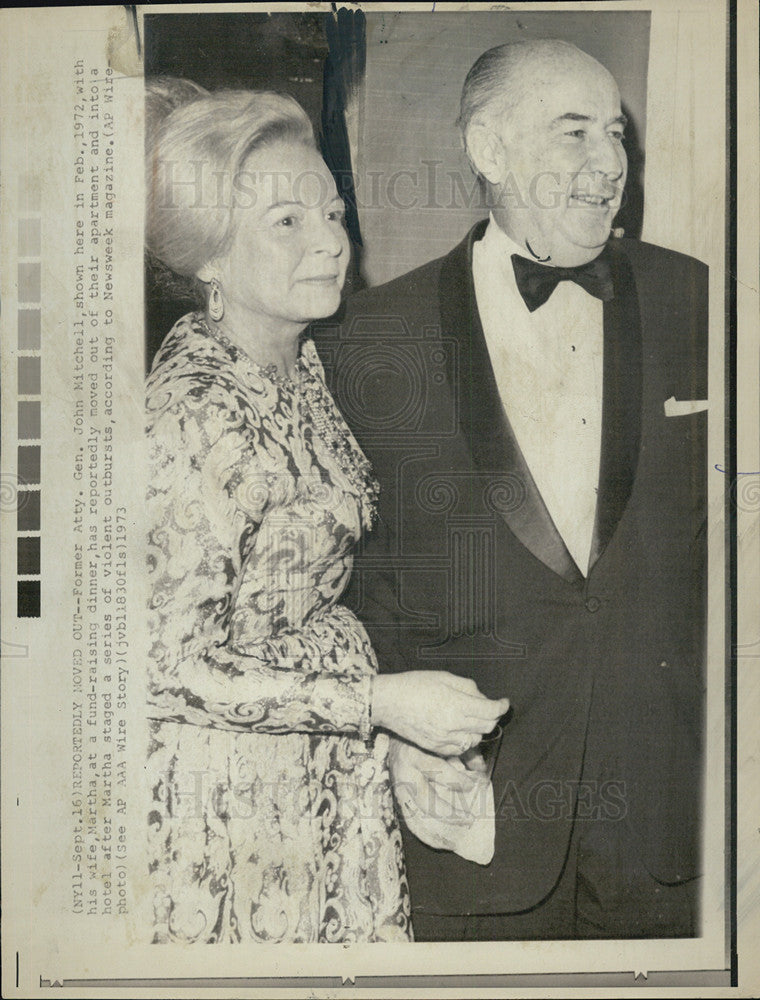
<point x="486" y="152"/>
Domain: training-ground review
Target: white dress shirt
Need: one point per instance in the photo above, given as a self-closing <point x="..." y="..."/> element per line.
<point x="548" y="367"/>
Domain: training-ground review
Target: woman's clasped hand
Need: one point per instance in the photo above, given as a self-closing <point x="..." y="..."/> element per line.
<point x="438" y="711"/>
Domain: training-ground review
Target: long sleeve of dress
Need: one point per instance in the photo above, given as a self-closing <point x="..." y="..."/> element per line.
<point x="309" y="672"/>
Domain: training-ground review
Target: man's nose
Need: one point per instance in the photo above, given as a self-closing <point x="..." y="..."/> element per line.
<point x="608" y="158"/>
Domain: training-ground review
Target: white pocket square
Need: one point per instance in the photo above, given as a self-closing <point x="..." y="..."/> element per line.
<point x="682" y="407"/>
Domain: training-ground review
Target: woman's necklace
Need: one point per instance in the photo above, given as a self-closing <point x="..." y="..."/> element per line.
<point x="319" y="410"/>
<point x="269" y="371"/>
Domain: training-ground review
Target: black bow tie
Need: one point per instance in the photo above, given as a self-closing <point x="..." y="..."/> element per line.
<point x="536" y="282"/>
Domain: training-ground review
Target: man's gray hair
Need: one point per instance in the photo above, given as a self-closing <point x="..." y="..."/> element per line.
<point x="497" y="81"/>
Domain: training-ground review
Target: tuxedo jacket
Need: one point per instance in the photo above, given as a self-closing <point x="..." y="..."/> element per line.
<point x="468" y="573"/>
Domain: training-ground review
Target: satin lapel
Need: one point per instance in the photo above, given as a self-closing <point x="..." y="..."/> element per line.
<point x="492" y="443"/>
<point x="621" y="402"/>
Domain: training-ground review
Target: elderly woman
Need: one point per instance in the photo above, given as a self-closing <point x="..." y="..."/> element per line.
<point x="272" y="815"/>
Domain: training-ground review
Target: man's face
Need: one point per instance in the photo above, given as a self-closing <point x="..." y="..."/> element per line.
<point x="565" y="162"/>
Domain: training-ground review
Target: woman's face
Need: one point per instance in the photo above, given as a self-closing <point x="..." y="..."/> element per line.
<point x="289" y="252"/>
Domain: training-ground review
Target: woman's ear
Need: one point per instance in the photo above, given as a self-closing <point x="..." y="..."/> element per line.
<point x="208" y="272"/>
<point x="486" y="152"/>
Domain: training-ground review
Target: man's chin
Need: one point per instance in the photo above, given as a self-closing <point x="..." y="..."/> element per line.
<point x="581" y="248"/>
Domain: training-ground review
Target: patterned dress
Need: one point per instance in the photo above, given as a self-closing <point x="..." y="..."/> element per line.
<point x="272" y="816"/>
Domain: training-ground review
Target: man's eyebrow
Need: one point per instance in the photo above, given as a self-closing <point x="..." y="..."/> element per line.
<point x="573" y="116"/>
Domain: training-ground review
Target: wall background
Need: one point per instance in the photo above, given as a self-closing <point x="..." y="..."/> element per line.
<point x="398" y="77"/>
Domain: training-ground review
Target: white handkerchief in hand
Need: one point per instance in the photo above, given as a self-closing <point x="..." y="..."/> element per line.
<point x="683" y="407"/>
<point x="475" y="842"/>
<point x="461" y="820"/>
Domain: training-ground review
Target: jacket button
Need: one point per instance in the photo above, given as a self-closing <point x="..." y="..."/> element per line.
<point x="593" y="604"/>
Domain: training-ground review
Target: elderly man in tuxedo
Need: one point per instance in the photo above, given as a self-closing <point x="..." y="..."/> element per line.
<point x="528" y="403"/>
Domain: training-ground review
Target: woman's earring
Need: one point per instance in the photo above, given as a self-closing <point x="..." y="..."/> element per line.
<point x="215" y="302"/>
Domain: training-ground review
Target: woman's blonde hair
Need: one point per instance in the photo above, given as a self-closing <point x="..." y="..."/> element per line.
<point x="197" y="144"/>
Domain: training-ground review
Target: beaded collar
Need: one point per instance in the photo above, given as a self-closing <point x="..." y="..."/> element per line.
<point x="270" y="372"/>
<point x="319" y="410"/>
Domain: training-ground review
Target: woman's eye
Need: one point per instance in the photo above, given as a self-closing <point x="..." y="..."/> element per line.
<point x="336" y="215"/>
<point x="577" y="133"/>
<point x="617" y="136"/>
<point x="288" y="222"/>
